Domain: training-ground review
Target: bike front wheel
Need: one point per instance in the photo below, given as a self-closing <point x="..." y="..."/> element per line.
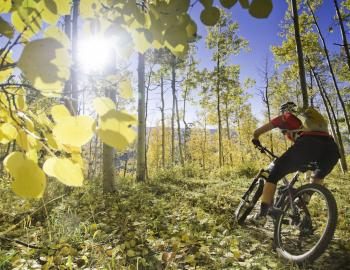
<point x="305" y="228"/>
<point x="249" y="200"/>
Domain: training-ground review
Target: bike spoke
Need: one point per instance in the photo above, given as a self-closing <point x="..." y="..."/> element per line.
<point x="301" y="229"/>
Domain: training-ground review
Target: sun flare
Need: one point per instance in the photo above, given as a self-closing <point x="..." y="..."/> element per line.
<point x="95" y="54"/>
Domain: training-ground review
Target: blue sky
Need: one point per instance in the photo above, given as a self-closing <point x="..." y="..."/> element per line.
<point x="261" y="34"/>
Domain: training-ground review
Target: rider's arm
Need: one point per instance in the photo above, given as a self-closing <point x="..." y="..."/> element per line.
<point x="261" y="130"/>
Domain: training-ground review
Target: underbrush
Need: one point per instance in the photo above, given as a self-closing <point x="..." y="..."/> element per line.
<point x="171" y="222"/>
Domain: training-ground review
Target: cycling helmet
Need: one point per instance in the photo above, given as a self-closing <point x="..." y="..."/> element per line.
<point x="288" y="106"/>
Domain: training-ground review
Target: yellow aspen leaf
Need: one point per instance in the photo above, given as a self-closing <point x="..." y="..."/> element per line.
<point x="44" y="120"/>
<point x="5" y="28"/>
<point x="64" y="7"/>
<point x="210" y="16"/>
<point x="260" y="8"/>
<point x="64" y="170"/>
<point x="26" y="141"/>
<point x="74" y="130"/>
<point x="27" y="18"/>
<point x="26" y="120"/>
<point x="179" y="6"/>
<point x="115" y="129"/>
<point x="29" y="179"/>
<point x="20" y="99"/>
<point x="103" y="105"/>
<point x="206" y="3"/>
<point x="50" y="11"/>
<point x="51" y="141"/>
<point x="5" y="6"/>
<point x="142" y="39"/>
<point x="32" y="155"/>
<point x="228" y="3"/>
<point x="56" y="33"/>
<point x="126" y="89"/>
<point x="48" y="166"/>
<point x="22" y="140"/>
<point x="5" y="73"/>
<point x="8" y="132"/>
<point x="191" y="29"/>
<point x="244" y="3"/>
<point x="71" y="149"/>
<point x="38" y="62"/>
<point x="77" y="158"/>
<point x="59" y="113"/>
<point x="175" y="36"/>
<point x="89" y="8"/>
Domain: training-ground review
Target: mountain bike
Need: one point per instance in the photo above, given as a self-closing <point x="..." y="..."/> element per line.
<point x="306" y="219"/>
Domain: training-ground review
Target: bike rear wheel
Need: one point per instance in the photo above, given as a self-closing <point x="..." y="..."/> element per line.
<point x="249" y="200"/>
<point x="305" y="229"/>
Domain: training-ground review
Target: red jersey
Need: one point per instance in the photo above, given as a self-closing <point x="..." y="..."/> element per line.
<point x="291" y="126"/>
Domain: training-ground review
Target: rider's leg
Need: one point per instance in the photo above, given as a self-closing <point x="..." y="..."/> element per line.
<point x="267" y="197"/>
<point x="297" y="155"/>
<point x="316" y="180"/>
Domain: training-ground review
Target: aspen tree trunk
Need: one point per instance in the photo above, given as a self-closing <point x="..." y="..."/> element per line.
<point x="173" y="75"/>
<point x="218" y="109"/>
<point x="343" y="33"/>
<point x="141" y="138"/>
<point x="179" y="132"/>
<point x="337" y="133"/>
<point x="342" y="103"/>
<point x="300" y="54"/>
<point x="228" y="132"/>
<point x="266" y="99"/>
<point x="163" y="119"/>
<point x="149" y="134"/>
<point x="68" y="83"/>
<point x="74" y="74"/>
<point x="108" y="157"/>
<point x="205" y="143"/>
<point x="185" y="125"/>
<point x="239" y="137"/>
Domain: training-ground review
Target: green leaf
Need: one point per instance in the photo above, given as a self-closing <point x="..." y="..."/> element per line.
<point x="6" y="29"/>
<point x="206" y="3"/>
<point x="210" y="16"/>
<point x="228" y="3"/>
<point x="260" y="8"/>
<point x="244" y="3"/>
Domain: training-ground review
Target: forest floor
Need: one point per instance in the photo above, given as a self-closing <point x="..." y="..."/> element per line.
<point x="170" y="222"/>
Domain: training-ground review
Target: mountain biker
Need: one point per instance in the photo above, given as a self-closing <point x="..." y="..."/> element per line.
<point x="309" y="146"/>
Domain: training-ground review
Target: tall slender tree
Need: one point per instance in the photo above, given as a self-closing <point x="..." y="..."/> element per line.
<point x="141" y="139"/>
<point x="299" y="49"/>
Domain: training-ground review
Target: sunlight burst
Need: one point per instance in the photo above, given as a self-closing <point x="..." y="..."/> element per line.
<point x="96" y="54"/>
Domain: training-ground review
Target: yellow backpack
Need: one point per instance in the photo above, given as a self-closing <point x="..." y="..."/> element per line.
<point x="313" y="120"/>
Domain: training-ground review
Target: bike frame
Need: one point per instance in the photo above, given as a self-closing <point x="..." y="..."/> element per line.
<point x="287" y="189"/>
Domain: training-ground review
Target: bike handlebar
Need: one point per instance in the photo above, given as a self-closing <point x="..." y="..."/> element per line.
<point x="264" y="150"/>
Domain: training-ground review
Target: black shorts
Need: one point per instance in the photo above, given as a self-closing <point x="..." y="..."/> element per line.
<point x="320" y="149"/>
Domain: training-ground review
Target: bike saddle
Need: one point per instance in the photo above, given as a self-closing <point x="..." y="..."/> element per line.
<point x="308" y="167"/>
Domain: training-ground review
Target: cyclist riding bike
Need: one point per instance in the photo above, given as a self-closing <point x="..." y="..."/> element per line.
<point x="312" y="143"/>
